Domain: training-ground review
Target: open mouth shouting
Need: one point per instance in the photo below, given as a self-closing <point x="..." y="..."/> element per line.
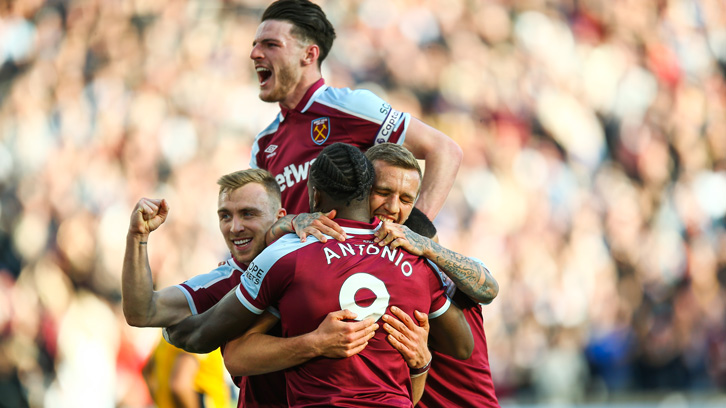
<point x="263" y="75"/>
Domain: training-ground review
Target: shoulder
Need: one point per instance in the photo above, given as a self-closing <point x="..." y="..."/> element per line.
<point x="361" y="102"/>
<point x="271" y="128"/>
<point x="259" y="143"/>
<point x="281" y="250"/>
<point x="226" y="271"/>
<point x="347" y="94"/>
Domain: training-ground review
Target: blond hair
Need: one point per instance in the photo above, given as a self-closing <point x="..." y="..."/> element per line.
<point x="233" y="181"/>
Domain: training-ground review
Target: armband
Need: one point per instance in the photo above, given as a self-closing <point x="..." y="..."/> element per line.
<point x="417" y="372"/>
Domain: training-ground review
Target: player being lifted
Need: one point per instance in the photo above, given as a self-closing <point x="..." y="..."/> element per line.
<point x="291" y="43"/>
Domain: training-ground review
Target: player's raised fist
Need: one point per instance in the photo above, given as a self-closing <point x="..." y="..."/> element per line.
<point x="148" y="215"/>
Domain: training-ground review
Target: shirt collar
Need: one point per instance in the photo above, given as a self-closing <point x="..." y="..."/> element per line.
<point x="358" y="227"/>
<point x="235" y="263"/>
<point x="305" y="101"/>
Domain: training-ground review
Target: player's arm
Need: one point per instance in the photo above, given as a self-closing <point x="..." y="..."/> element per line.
<point x="410" y="339"/>
<point x="469" y="275"/>
<point x="418" y="385"/>
<point x="305" y="224"/>
<point x="258" y="353"/>
<point x="442" y="156"/>
<point x="142" y="305"/>
<point x="204" y="332"/>
<point x="450" y="333"/>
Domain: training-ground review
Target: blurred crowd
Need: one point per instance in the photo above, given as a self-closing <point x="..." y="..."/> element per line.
<point x="593" y="182"/>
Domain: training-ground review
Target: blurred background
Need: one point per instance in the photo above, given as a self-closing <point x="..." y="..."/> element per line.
<point x="593" y="182"/>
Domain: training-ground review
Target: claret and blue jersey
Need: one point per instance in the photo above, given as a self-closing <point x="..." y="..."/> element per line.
<point x="307" y="280"/>
<point x="324" y="116"/>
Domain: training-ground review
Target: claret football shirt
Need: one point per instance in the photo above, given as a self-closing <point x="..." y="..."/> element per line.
<point x="203" y="292"/>
<point x="306" y="281"/>
<point x="462" y="383"/>
<point x="325" y="115"/>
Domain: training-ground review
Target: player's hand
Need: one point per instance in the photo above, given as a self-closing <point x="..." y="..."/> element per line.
<point x="148" y="215"/>
<point x="396" y="235"/>
<point x="317" y="224"/>
<point x="337" y="338"/>
<point x="409" y="338"/>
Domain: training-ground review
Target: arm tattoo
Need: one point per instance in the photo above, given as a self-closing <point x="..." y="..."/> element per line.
<point x="420" y="243"/>
<point x="304" y="220"/>
<point x="470" y="276"/>
<point x="279" y="228"/>
<point x="284" y="225"/>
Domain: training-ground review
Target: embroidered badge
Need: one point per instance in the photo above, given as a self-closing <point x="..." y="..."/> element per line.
<point x="271" y="150"/>
<point x="320" y="130"/>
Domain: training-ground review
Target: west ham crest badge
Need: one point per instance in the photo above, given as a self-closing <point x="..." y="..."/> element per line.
<point x="320" y="130"/>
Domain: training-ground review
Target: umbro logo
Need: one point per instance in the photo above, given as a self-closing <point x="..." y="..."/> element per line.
<point x="271" y="150"/>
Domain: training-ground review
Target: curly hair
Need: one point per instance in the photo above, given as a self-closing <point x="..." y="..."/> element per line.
<point x="343" y="172"/>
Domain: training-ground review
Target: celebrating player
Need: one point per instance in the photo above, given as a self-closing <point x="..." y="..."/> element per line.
<point x="301" y="277"/>
<point x="249" y="203"/>
<point x="290" y="45"/>
<point x="451" y="382"/>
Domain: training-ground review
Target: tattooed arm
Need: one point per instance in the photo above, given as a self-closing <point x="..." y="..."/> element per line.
<point x="469" y="275"/>
<point x="281" y="227"/>
<point x="305" y="224"/>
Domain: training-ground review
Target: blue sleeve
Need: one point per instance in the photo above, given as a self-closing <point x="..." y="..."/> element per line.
<point x="366" y="105"/>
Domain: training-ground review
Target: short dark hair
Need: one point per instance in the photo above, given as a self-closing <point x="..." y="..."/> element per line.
<point x="343" y="172"/>
<point x="308" y="20"/>
<point x="419" y="223"/>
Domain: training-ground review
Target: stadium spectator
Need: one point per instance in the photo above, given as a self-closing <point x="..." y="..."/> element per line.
<point x="592" y="179"/>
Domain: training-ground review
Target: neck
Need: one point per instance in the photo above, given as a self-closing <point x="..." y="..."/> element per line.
<point x="308" y="79"/>
<point x="352" y="212"/>
<point x="240" y="264"/>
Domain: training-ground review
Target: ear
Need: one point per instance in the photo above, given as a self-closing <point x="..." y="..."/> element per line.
<point x="281" y="213"/>
<point x="316" y="198"/>
<point x="311" y="55"/>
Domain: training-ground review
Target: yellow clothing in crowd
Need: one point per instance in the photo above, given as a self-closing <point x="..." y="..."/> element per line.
<point x="209" y="378"/>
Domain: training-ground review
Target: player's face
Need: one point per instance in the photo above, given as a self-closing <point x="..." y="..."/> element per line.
<point x="245" y="215"/>
<point x="394" y="192"/>
<point x="277" y="55"/>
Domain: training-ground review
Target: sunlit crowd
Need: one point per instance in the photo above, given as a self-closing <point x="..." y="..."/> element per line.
<point x="593" y="184"/>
